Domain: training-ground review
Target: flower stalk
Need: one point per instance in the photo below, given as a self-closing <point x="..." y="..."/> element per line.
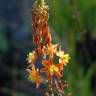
<point x="45" y="49"/>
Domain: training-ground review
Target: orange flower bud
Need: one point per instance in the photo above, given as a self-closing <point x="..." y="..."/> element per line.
<point x="36" y="39"/>
<point x="48" y="39"/>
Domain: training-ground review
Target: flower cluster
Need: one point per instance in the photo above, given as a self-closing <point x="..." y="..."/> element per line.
<point x="46" y="50"/>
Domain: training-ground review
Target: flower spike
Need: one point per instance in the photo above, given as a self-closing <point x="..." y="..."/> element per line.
<point x="47" y="51"/>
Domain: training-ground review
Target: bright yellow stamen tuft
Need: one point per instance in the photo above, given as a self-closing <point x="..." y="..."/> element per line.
<point x="31" y="57"/>
<point x="64" y="59"/>
<point x="53" y="69"/>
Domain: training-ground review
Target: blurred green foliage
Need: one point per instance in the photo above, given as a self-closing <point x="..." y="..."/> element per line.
<point x="3" y="40"/>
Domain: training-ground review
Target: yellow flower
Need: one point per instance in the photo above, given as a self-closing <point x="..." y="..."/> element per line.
<point x="53" y="69"/>
<point x="31" y="57"/>
<point x="64" y="59"/>
<point x="34" y="76"/>
<point x="60" y="53"/>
